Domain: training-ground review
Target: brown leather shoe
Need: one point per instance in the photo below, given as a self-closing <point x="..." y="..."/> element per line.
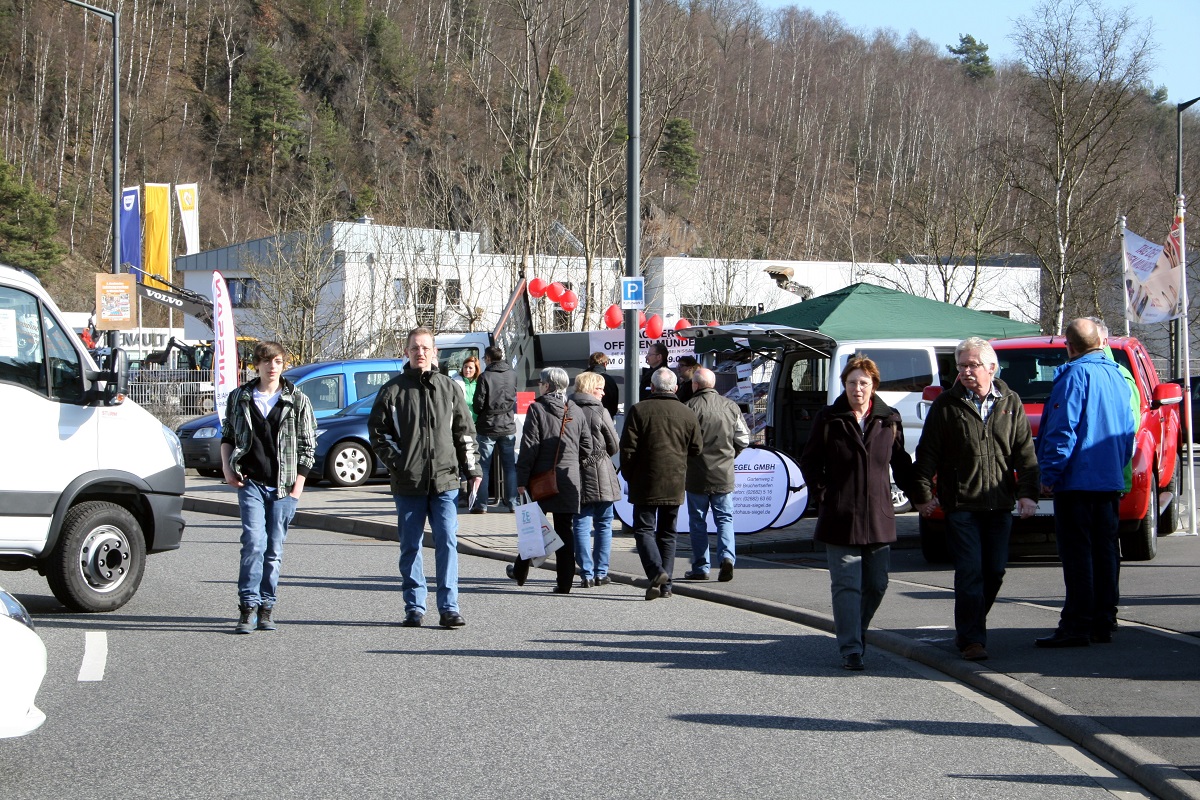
<point x="975" y="652"/>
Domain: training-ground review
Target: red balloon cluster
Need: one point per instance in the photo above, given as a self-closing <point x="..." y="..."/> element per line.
<point x="682" y="323"/>
<point x="555" y="292"/>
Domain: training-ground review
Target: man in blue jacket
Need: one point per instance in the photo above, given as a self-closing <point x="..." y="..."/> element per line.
<point x="1085" y="439"/>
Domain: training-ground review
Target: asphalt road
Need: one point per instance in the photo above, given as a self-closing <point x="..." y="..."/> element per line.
<point x="598" y="693"/>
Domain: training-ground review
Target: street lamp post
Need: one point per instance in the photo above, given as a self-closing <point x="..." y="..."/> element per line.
<point x="1182" y="332"/>
<point x="113" y="18"/>
<point x="633" y="213"/>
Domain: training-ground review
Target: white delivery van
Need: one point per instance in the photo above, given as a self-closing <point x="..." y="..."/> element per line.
<point x="804" y="378"/>
<point x="90" y="482"/>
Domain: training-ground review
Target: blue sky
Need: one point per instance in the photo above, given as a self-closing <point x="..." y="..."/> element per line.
<point x="1176" y="25"/>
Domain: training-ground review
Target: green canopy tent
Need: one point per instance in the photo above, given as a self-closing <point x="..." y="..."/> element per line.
<point x="866" y="311"/>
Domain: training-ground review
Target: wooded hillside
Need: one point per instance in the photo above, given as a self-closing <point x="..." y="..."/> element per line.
<point x="765" y="134"/>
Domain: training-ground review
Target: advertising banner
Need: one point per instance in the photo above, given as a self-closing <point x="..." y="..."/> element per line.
<point x="1154" y="277"/>
<point x="188" y="195"/>
<point x="225" y="353"/>
<point x="157" y="261"/>
<point x="612" y="344"/>
<point x="115" y="304"/>
<point x="769" y="492"/>
<point x="131" y="231"/>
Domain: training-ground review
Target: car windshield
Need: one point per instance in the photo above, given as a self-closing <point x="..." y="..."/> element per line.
<point x="1030" y="372"/>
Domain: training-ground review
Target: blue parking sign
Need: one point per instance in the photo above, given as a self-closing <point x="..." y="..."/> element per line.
<point x="633" y="293"/>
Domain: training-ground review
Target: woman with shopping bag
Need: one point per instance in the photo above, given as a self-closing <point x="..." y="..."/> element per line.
<point x="554" y="441"/>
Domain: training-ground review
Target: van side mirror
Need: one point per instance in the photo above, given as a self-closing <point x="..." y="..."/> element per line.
<point x="116" y="377"/>
<point x="1167" y="394"/>
<point x="928" y="395"/>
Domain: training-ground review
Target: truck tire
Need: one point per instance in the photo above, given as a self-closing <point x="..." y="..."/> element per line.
<point x="350" y="464"/>
<point x="934" y="546"/>
<point x="1168" y="520"/>
<point x="98" y="561"/>
<point x="1141" y="543"/>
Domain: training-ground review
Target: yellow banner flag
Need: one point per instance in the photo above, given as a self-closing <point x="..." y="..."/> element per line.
<point x="157" y="242"/>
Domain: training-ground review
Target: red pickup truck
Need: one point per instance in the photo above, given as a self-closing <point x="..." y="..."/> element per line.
<point x="1027" y="366"/>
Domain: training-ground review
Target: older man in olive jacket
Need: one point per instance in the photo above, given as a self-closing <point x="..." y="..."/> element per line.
<point x="659" y="437"/>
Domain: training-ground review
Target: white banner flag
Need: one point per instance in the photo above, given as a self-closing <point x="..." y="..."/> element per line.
<point x="188" y="195"/>
<point x="225" y="353"/>
<point x="1153" y="277"/>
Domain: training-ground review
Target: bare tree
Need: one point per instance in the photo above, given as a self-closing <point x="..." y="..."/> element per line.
<point x="1086" y="66"/>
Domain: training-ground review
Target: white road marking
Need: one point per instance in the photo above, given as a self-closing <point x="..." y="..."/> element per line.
<point x="95" y="656"/>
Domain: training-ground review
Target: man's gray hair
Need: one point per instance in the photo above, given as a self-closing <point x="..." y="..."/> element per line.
<point x="986" y="353"/>
<point x="556" y="380"/>
<point x="704" y="378"/>
<point x="663" y="381"/>
<point x="1100" y="324"/>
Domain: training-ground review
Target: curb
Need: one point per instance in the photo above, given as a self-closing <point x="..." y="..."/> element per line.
<point x="1165" y="780"/>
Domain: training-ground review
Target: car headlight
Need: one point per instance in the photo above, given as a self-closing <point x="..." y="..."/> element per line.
<point x="173" y="444"/>
<point x="11" y="607"/>
<point x="207" y="432"/>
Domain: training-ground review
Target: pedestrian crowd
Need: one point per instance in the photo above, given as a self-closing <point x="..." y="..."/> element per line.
<point x="976" y="463"/>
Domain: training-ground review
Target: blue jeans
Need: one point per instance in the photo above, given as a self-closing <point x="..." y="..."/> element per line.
<point x="858" y="579"/>
<point x="265" y="519"/>
<point x="978" y="542"/>
<point x="508" y="460"/>
<point x="722" y="510"/>
<point x="441" y="510"/>
<point x="593" y="518"/>
<point x="1085" y="526"/>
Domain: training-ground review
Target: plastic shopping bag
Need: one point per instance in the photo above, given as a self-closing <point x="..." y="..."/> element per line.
<point x="536" y="538"/>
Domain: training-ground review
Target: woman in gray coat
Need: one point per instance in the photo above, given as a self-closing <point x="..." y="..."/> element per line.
<point x="550" y="442"/>
<point x="599" y="487"/>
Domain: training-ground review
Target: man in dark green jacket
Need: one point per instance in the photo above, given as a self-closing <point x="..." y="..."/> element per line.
<point x="421" y="429"/>
<point x="975" y="439"/>
<point x="659" y="436"/>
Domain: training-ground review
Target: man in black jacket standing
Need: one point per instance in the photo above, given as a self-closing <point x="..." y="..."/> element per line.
<point x="659" y="437"/>
<point x="421" y="429"/>
<point x="598" y="363"/>
<point x="496" y="426"/>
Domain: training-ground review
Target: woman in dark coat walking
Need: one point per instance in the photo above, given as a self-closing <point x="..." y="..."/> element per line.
<point x="845" y="464"/>
<point x="548" y="441"/>
<point x="599" y="485"/>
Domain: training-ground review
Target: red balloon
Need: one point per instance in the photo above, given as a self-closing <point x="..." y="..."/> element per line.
<point x="613" y="316"/>
<point x="682" y="323"/>
<point x="555" y="291"/>
<point x="537" y="287"/>
<point x="713" y="323"/>
<point x="654" y="326"/>
<point x="641" y="319"/>
<point x="569" y="301"/>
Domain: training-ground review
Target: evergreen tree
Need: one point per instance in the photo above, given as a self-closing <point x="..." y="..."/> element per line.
<point x="267" y="115"/>
<point x="973" y="56"/>
<point x="678" y="155"/>
<point x="27" y="226"/>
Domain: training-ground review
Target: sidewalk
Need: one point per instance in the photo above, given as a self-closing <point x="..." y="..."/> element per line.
<point x="1111" y="700"/>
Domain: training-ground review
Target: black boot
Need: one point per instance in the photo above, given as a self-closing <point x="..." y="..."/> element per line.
<point x="265" y="623"/>
<point x="246" y="618"/>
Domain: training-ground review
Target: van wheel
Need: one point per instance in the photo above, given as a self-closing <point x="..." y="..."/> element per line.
<point x="900" y="504"/>
<point x="98" y="561"/>
<point x="349" y="464"/>
<point x="1168" y="521"/>
<point x="934" y="545"/>
<point x="1141" y="543"/>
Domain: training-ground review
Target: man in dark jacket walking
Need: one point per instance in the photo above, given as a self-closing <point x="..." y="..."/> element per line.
<point x="496" y="426"/>
<point x="421" y="429"/>
<point x="975" y="439"/>
<point x="660" y="435"/>
<point x="710" y="479"/>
